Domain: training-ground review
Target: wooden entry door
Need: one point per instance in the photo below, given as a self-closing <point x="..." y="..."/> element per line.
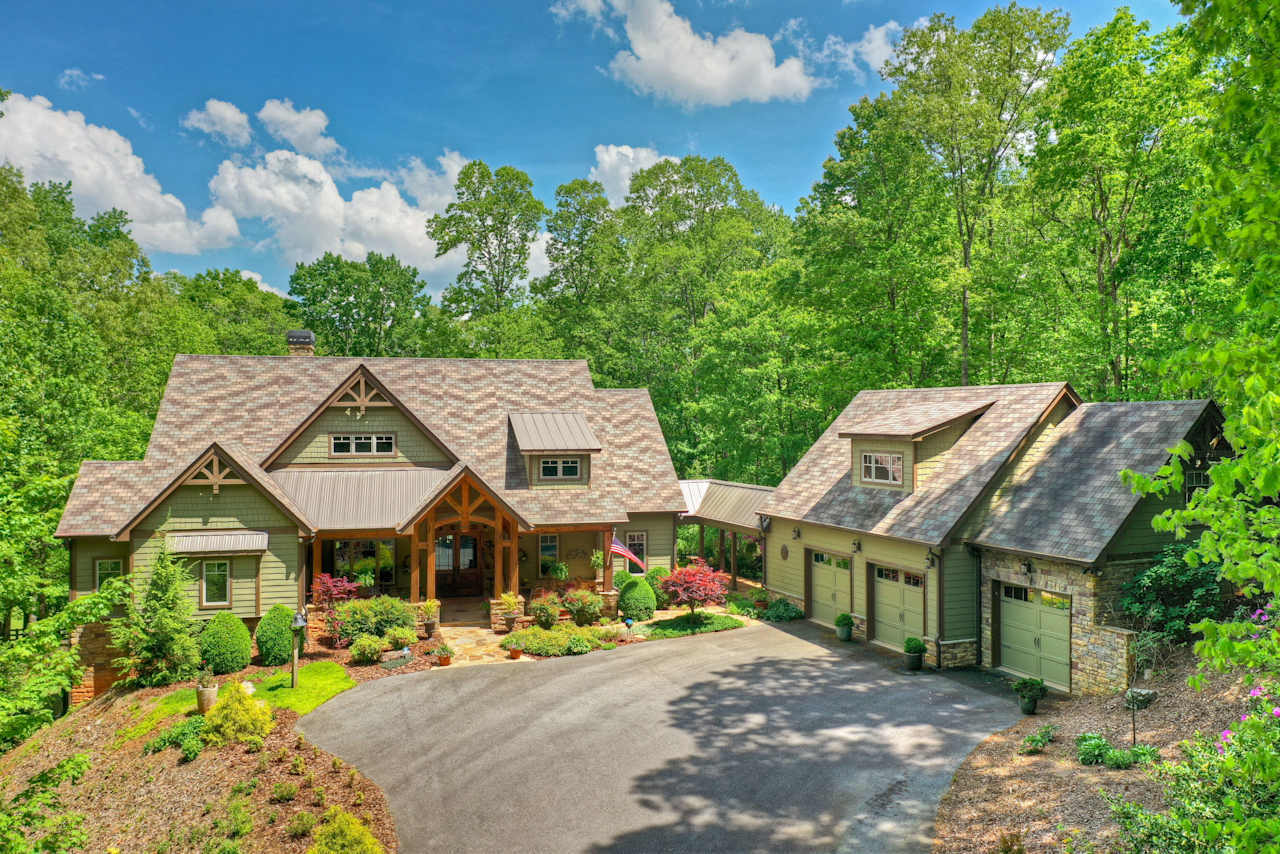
<point x="898" y="605"/>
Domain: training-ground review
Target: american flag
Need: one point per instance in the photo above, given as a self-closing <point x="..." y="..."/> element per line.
<point x="622" y="551"/>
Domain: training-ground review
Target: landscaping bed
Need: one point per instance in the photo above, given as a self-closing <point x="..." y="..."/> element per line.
<point x="1051" y="798"/>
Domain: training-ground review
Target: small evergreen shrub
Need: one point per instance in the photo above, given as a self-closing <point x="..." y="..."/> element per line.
<point x="282" y="793"/>
<point x="399" y="637"/>
<point x="274" y="636"/>
<point x="374" y="616"/>
<point x="781" y="611"/>
<point x="636" y="601"/>
<point x="343" y="833"/>
<point x="156" y="636"/>
<point x="584" y="606"/>
<point x="654" y="578"/>
<point x="237" y="716"/>
<point x="545" y="611"/>
<point x="1030" y="689"/>
<point x="301" y="825"/>
<point x="368" y="649"/>
<point x="844" y="620"/>
<point x="237" y="823"/>
<point x="187" y="736"/>
<point x="914" y="646"/>
<point x="225" y="644"/>
<point x="1091" y="748"/>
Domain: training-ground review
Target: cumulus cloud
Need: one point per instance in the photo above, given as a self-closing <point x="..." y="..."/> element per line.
<point x="55" y="145"/>
<point x="75" y="78"/>
<point x="615" y="164"/>
<point x="432" y="188"/>
<point x="221" y="120"/>
<point x="256" y="278"/>
<point x="302" y="129"/>
<point x="871" y="51"/>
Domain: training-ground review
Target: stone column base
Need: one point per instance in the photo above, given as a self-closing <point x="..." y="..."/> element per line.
<point x="610" y="608"/>
<point x="497" y="624"/>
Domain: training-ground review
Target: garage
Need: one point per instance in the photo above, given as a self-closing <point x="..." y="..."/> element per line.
<point x="898" y="605"/>
<point x="1035" y="634"/>
<point x="831" y="579"/>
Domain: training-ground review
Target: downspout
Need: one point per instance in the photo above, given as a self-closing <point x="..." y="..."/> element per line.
<point x="977" y="556"/>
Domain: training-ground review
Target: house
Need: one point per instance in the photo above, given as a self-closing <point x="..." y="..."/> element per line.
<point x="433" y="478"/>
<point x="726" y="507"/>
<point x="990" y="521"/>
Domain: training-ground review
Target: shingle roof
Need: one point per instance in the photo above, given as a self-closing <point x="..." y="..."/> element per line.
<point x="911" y="422"/>
<point x="820" y="488"/>
<point x="553" y="431"/>
<point x="256" y="401"/>
<point x="724" y="502"/>
<point x="1065" y="498"/>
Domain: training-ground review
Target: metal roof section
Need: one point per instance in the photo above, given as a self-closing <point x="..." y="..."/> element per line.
<point x="911" y="423"/>
<point x="725" y="503"/>
<point x="542" y="432"/>
<point x="216" y="542"/>
<point x="359" y="498"/>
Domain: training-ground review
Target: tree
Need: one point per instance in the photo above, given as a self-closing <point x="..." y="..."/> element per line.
<point x="33" y="820"/>
<point x="360" y="308"/>
<point x="696" y="585"/>
<point x="496" y="218"/>
<point x="156" y="636"/>
<point x="249" y="320"/>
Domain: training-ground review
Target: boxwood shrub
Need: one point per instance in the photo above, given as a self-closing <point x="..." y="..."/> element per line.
<point x="373" y="616"/>
<point x="275" y="636"/>
<point x="225" y="644"/>
<point x="637" y="600"/>
<point x="654" y="577"/>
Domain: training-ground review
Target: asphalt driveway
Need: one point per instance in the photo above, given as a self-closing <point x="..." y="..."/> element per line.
<point x="760" y="739"/>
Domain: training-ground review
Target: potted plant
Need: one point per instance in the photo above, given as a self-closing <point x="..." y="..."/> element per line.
<point x="430" y="611"/>
<point x="511" y="608"/>
<point x="1030" y="692"/>
<point x="515" y="649"/>
<point x="844" y="626"/>
<point x="443" y="654"/>
<point x="552" y="568"/>
<point x="914" y="649"/>
<point x="761" y="601"/>
<point x="206" y="691"/>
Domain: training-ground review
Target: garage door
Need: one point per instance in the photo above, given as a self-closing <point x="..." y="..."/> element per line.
<point x="1035" y="634"/>
<point x="831" y="582"/>
<point x="899" y="605"/>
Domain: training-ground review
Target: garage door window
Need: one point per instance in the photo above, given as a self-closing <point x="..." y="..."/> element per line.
<point x="1021" y="594"/>
<point x="834" y="561"/>
<point x="887" y="574"/>
<point x="912" y="580"/>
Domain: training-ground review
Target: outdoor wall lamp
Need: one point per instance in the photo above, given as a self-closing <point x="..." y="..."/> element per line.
<point x="856" y="546"/>
<point x="795" y="533"/>
<point x="932" y="561"/>
<point x="1028" y="567"/>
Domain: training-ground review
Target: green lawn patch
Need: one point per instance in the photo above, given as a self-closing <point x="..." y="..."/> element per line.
<point x="179" y="702"/>
<point x="317" y="682"/>
<point x="691" y="624"/>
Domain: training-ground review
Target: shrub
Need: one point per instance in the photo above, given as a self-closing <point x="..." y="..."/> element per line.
<point x="156" y="636"/>
<point x="1091" y="748"/>
<point x="654" y="579"/>
<point x="553" y="568"/>
<point x="691" y="624"/>
<point x="1171" y="596"/>
<point x="237" y="716"/>
<point x="368" y="649"/>
<point x="584" y="606"/>
<point x="578" y="645"/>
<point x="187" y="736"/>
<point x="1118" y="758"/>
<point x="636" y="600"/>
<point x="343" y="833"/>
<point x="373" y="616"/>
<point x="238" y="822"/>
<point x="545" y="610"/>
<point x="429" y="609"/>
<point x="554" y="641"/>
<point x="844" y="620"/>
<point x="301" y="825"/>
<point x="781" y="611"/>
<point x="1030" y="689"/>
<point x="282" y="793"/>
<point x="1037" y="741"/>
<point x="274" y="636"/>
<point x="510" y="603"/>
<point x="913" y="646"/>
<point x="400" y="637"/>
<point x="1144" y="754"/>
<point x="225" y="644"/>
<point x="327" y="592"/>
<point x="696" y="585"/>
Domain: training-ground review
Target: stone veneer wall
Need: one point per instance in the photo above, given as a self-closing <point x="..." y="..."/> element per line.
<point x="1101" y="654"/>
<point x="96" y="654"/>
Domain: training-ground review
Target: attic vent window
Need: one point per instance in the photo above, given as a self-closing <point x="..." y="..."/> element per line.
<point x="882" y="468"/>
<point x="362" y="445"/>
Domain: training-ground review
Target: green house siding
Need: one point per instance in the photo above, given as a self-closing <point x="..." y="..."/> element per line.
<point x="86" y="550"/>
<point x="1137" y="536"/>
<point x="192" y="508"/>
<point x="575" y="550"/>
<point x="885" y="446"/>
<point x="659" y="529"/>
<point x="960" y="594"/>
<point x="412" y="445"/>
<point x="931" y="451"/>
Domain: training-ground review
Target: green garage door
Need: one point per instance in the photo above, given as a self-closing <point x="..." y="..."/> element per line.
<point x="1035" y="634"/>
<point x="899" y="605"/>
<point x="831" y="583"/>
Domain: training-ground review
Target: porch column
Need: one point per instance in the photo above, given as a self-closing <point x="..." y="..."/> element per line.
<point x="721" y="549"/>
<point x="513" y="556"/>
<point x="499" y="568"/>
<point x="415" y="564"/>
<point x="431" y="554"/>
<point x="606" y="538"/>
<point x="702" y="541"/>
<point x="733" y="562"/>
<point x="317" y="560"/>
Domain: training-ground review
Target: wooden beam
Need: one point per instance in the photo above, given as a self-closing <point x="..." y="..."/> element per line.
<point x="702" y="541"/>
<point x="498" y="568"/>
<point x="733" y="562"/>
<point x="415" y="564"/>
<point x="465" y="522"/>
<point x="721" y="530"/>
<point x="607" y="581"/>
<point x="513" y="557"/>
<point x="431" y="554"/>
<point x="317" y="558"/>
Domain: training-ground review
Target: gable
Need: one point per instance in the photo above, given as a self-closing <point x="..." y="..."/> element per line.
<point x="412" y="445"/>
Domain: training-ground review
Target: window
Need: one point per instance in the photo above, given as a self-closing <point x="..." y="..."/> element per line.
<point x="887" y="574"/>
<point x="1193" y="482"/>
<point x="832" y="560"/>
<point x="106" y="568"/>
<point x="1054" y="600"/>
<point x="215" y="583"/>
<point x="362" y="445"/>
<point x="560" y="468"/>
<point x="637" y="542"/>
<point x="911" y="579"/>
<point x="1019" y="594"/>
<point x="549" y="546"/>
<point x="882" y="468"/>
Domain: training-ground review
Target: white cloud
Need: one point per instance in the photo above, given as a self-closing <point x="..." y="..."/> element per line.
<point x="871" y="51"/>
<point x="221" y="120"/>
<point x="142" y="120"/>
<point x="256" y="278"/>
<point x="55" y="145"/>
<point x="539" y="263"/>
<point x="593" y="10"/>
<point x="433" y="189"/>
<point x="74" y="78"/>
<point x="302" y="129"/>
<point x="615" y="164"/>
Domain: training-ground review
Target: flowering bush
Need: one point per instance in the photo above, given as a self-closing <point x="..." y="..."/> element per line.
<point x="545" y="610"/>
<point x="695" y="585"/>
<point x="584" y="605"/>
<point x="327" y="592"/>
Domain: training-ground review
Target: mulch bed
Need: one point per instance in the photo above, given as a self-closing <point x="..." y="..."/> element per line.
<point x="1051" y="796"/>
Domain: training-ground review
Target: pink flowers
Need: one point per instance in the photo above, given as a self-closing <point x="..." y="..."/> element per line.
<point x="1256" y="692"/>
<point x="1226" y="734"/>
<point x="1276" y="711"/>
<point x="1244" y="718"/>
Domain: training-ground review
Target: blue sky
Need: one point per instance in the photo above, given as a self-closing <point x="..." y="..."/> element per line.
<point x="257" y="135"/>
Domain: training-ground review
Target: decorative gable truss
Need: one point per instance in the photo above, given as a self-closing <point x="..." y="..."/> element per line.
<point x="215" y="474"/>
<point x="361" y="391"/>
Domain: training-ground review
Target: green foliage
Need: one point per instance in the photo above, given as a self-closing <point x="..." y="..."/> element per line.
<point x="1118" y="758"/>
<point x="1030" y="689"/>
<point x="374" y="616"/>
<point x="636" y="600"/>
<point x="372" y="307"/>
<point x="545" y="610"/>
<point x="551" y="568"/>
<point x="510" y="603"/>
<point x="274" y="635"/>
<point x="237" y="716"/>
<point x="368" y="649"/>
<point x="1092" y="748"/>
<point x="237" y="823"/>
<point x="282" y="793"/>
<point x="654" y="579"/>
<point x="1144" y="754"/>
<point x="844" y="620"/>
<point x="1037" y="741"/>
<point x="399" y="637"/>
<point x="187" y="735"/>
<point x="156" y="635"/>
<point x="583" y="605"/>
<point x="561" y="639"/>
<point x="301" y="825"/>
<point x="342" y="833"/>
<point x="318" y="681"/>
<point x="690" y="624"/>
<point x="33" y="821"/>
<point x="781" y="611"/>
<point x="225" y="644"/>
<point x="1172" y="595"/>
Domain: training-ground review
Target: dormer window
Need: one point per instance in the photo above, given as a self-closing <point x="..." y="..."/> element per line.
<point x="362" y="444"/>
<point x="882" y="468"/>
<point x="560" y="468"/>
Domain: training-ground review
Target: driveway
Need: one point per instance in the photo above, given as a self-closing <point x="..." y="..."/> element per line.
<point x="766" y="738"/>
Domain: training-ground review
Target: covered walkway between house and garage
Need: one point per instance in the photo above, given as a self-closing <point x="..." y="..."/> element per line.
<point x="728" y="508"/>
<point x="767" y="738"/>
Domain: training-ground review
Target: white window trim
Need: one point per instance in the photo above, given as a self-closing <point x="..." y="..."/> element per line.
<point x="644" y="537"/>
<point x="351" y="438"/>
<point x="558" y="477"/>
<point x="869" y="460"/>
<point x="97" y="570"/>
<point x="205" y="602"/>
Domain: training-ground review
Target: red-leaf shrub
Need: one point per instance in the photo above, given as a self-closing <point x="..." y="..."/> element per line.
<point x="694" y="585"/>
<point x="326" y="592"/>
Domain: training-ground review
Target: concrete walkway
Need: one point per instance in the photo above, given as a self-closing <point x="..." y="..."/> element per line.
<point x="767" y="738"/>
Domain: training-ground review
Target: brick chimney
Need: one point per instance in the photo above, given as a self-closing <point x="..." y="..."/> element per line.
<point x="302" y="342"/>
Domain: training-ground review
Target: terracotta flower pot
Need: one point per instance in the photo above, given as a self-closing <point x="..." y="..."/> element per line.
<point x="515" y="653"/>
<point x="444" y="660"/>
<point x="205" y="698"/>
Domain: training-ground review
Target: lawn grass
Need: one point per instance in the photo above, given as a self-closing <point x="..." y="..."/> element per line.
<point x="317" y="682"/>
<point x="690" y="624"/>
<point x="179" y="702"/>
